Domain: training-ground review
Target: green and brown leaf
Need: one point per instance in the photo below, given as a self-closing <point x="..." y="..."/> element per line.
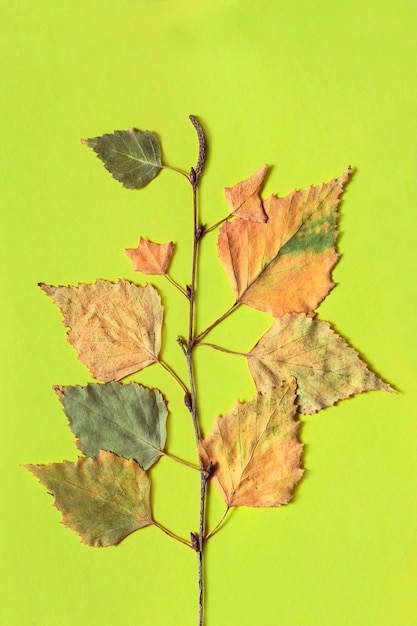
<point x="103" y="498"/>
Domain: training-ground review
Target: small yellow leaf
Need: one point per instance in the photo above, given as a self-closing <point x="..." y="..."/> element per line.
<point x="255" y="451"/>
<point x="151" y="258"/>
<point x="244" y="199"/>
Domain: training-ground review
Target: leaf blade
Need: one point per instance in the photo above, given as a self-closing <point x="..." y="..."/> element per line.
<point x="133" y="157"/>
<point x="244" y="199"/>
<point x="114" y="327"/>
<point x="151" y="258"/>
<point x="255" y="450"/>
<point x="336" y="371"/>
<point x="290" y="256"/>
<point x="103" y="499"/>
<point x="129" y="420"/>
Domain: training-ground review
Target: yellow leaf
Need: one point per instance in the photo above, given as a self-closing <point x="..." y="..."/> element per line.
<point x="255" y="451"/>
<point x="244" y="200"/>
<point x="114" y="327"/>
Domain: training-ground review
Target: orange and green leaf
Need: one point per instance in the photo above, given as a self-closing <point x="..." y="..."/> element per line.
<point x="255" y="451"/>
<point x="285" y="265"/>
<point x="151" y="258"/>
<point x="326" y="368"/>
<point x="114" y="327"/>
<point x="103" y="498"/>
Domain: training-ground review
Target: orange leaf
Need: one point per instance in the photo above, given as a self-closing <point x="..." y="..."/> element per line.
<point x="284" y="265"/>
<point x="326" y="368"/>
<point x="255" y="450"/>
<point x="151" y="258"/>
<point x="244" y="200"/>
<point x="114" y="327"/>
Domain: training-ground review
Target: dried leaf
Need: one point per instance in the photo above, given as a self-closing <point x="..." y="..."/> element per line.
<point x="326" y="368"/>
<point x="151" y="258"/>
<point x="103" y="499"/>
<point x="132" y="156"/>
<point x="114" y="327"/>
<point x="255" y="451"/>
<point x="244" y="200"/>
<point x="129" y="420"/>
<point x="284" y="266"/>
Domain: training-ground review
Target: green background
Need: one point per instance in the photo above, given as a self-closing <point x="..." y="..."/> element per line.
<point x="308" y="87"/>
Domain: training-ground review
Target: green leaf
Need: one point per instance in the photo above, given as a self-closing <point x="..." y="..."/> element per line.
<point x="103" y="499"/>
<point x="129" y="420"/>
<point x="132" y="156"/>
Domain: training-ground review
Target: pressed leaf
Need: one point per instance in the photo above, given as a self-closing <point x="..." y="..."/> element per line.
<point x="103" y="498"/>
<point x="129" y="420"/>
<point x="151" y="258"/>
<point x="284" y="266"/>
<point x="326" y="368"/>
<point x="132" y="156"/>
<point x="255" y="450"/>
<point x="244" y="199"/>
<point x="114" y="327"/>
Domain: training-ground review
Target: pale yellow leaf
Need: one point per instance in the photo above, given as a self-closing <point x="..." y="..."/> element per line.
<point x="326" y="368"/>
<point x="114" y="327"/>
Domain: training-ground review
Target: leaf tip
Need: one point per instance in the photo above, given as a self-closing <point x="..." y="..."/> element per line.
<point x="45" y="288"/>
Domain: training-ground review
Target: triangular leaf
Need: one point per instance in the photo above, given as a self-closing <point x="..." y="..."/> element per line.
<point x="114" y="327"/>
<point x="129" y="420"/>
<point x="255" y="451"/>
<point x="327" y="369"/>
<point x="151" y="258"/>
<point x="244" y="199"/>
<point x="284" y="265"/>
<point x="132" y="156"/>
<point x="103" y="499"/>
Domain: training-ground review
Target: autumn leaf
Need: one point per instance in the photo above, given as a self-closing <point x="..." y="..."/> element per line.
<point x="244" y="199"/>
<point x="114" y="327"/>
<point x="133" y="157"/>
<point x="326" y="368"/>
<point x="102" y="498"/>
<point x="129" y="420"/>
<point x="284" y="265"/>
<point x="255" y="450"/>
<point x="151" y="258"/>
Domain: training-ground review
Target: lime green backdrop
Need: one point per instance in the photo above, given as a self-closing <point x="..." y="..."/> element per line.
<point x="308" y="87"/>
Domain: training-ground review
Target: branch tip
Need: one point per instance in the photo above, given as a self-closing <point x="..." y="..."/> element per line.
<point x="202" y="151"/>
